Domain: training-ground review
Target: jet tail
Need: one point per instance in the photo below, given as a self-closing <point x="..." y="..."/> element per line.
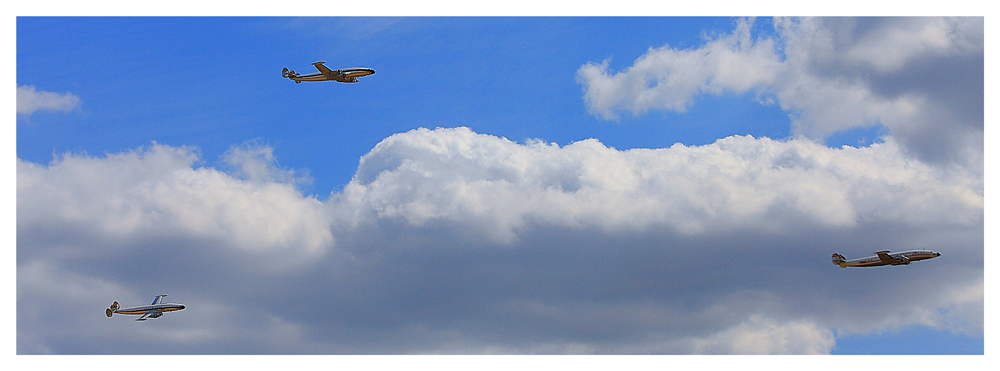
<point x="284" y="72"/>
<point x="838" y="259"/>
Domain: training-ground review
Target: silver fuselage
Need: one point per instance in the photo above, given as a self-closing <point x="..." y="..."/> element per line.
<point x="154" y="308"/>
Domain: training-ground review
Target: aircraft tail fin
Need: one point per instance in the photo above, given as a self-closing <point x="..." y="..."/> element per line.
<point x="112" y="309"/>
<point x="838" y="259"/>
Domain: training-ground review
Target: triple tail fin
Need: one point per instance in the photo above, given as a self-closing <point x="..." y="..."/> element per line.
<point x="112" y="309"/>
<point x="838" y="259"/>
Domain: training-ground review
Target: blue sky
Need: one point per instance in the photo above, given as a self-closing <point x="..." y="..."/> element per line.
<point x="209" y="82"/>
<point x="502" y="185"/>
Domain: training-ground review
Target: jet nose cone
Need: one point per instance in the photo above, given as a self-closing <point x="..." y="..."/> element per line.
<point x="182" y="306"/>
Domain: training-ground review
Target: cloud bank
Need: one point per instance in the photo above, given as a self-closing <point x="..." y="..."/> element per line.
<point x="31" y="100"/>
<point x="736" y="182"/>
<point x="922" y="78"/>
<point x="451" y="241"/>
<point x="156" y="193"/>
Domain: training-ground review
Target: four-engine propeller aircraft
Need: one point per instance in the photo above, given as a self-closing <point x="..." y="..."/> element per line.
<point x="154" y="310"/>
<point x="885" y="258"/>
<point x="325" y="74"/>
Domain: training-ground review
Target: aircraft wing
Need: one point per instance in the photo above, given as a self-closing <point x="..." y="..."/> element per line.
<point x="158" y="299"/>
<point x="143" y="317"/>
<point x="325" y="70"/>
<point x="885" y="258"/>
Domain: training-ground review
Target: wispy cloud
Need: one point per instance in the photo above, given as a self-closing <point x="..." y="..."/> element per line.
<point x="31" y="100"/>
<point x="668" y="78"/>
<point x="450" y="241"/>
<point x="255" y="162"/>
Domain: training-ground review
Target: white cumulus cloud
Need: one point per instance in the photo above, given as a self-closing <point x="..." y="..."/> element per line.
<point x="451" y="241"/>
<point x="156" y="193"/>
<point x="499" y="186"/>
<point x="922" y="78"/>
<point x="667" y="78"/>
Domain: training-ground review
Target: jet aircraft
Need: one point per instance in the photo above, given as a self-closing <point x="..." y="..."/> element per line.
<point x="885" y="258"/>
<point x="348" y="75"/>
<point x="154" y="310"/>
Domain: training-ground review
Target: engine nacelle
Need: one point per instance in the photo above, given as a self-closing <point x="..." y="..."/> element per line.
<point x="902" y="260"/>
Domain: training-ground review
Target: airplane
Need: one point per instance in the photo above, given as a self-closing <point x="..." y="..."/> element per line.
<point x="154" y="310"/>
<point x="885" y="258"/>
<point x="347" y="75"/>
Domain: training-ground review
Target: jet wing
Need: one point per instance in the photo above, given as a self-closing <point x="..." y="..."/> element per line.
<point x="885" y="257"/>
<point x="158" y="299"/>
<point x="144" y="315"/>
<point x="327" y="72"/>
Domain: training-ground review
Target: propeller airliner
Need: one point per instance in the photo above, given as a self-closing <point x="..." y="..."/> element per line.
<point x="885" y="258"/>
<point x="154" y="310"/>
<point x="347" y="75"/>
